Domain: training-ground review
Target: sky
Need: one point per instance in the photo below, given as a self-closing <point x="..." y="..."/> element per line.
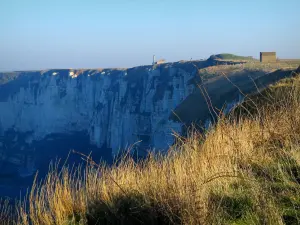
<point x="45" y="34"/>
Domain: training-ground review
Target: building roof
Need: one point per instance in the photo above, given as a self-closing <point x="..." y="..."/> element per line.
<point x="268" y="53"/>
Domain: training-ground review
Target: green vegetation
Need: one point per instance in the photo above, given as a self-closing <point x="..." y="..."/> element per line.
<point x="227" y="56"/>
<point x="249" y="66"/>
<point x="244" y="170"/>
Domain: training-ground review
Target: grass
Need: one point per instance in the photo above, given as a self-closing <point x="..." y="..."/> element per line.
<point x="244" y="170"/>
<point x="227" y="56"/>
<point x="252" y="66"/>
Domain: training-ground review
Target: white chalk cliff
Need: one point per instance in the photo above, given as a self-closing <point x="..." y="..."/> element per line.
<point x="116" y="107"/>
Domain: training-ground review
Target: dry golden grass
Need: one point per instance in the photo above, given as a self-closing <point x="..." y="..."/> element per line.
<point x="253" y="65"/>
<point x="244" y="170"/>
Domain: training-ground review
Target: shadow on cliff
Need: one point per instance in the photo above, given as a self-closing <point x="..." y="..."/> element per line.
<point x="20" y="161"/>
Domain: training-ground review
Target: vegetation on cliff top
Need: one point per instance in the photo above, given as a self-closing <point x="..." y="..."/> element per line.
<point x="227" y="56"/>
<point x="244" y="170"/>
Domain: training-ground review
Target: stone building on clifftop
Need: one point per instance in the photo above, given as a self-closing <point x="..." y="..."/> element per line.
<point x="268" y="57"/>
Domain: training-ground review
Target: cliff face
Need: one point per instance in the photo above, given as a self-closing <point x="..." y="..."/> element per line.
<point x="44" y="114"/>
<point x="114" y="107"/>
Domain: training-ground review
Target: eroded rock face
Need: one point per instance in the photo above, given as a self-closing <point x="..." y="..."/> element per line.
<point x="115" y="107"/>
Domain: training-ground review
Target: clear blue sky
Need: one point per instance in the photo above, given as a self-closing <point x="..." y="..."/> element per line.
<point x="41" y="34"/>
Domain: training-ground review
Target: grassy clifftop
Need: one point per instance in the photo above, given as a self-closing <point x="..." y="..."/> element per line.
<point x="227" y="56"/>
<point x="223" y="84"/>
<point x="244" y="170"/>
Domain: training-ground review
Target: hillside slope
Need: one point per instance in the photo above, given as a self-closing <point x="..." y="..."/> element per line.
<point x="228" y="56"/>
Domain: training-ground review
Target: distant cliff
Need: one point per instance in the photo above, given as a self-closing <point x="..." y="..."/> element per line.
<point x="115" y="107"/>
<point x="110" y="108"/>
